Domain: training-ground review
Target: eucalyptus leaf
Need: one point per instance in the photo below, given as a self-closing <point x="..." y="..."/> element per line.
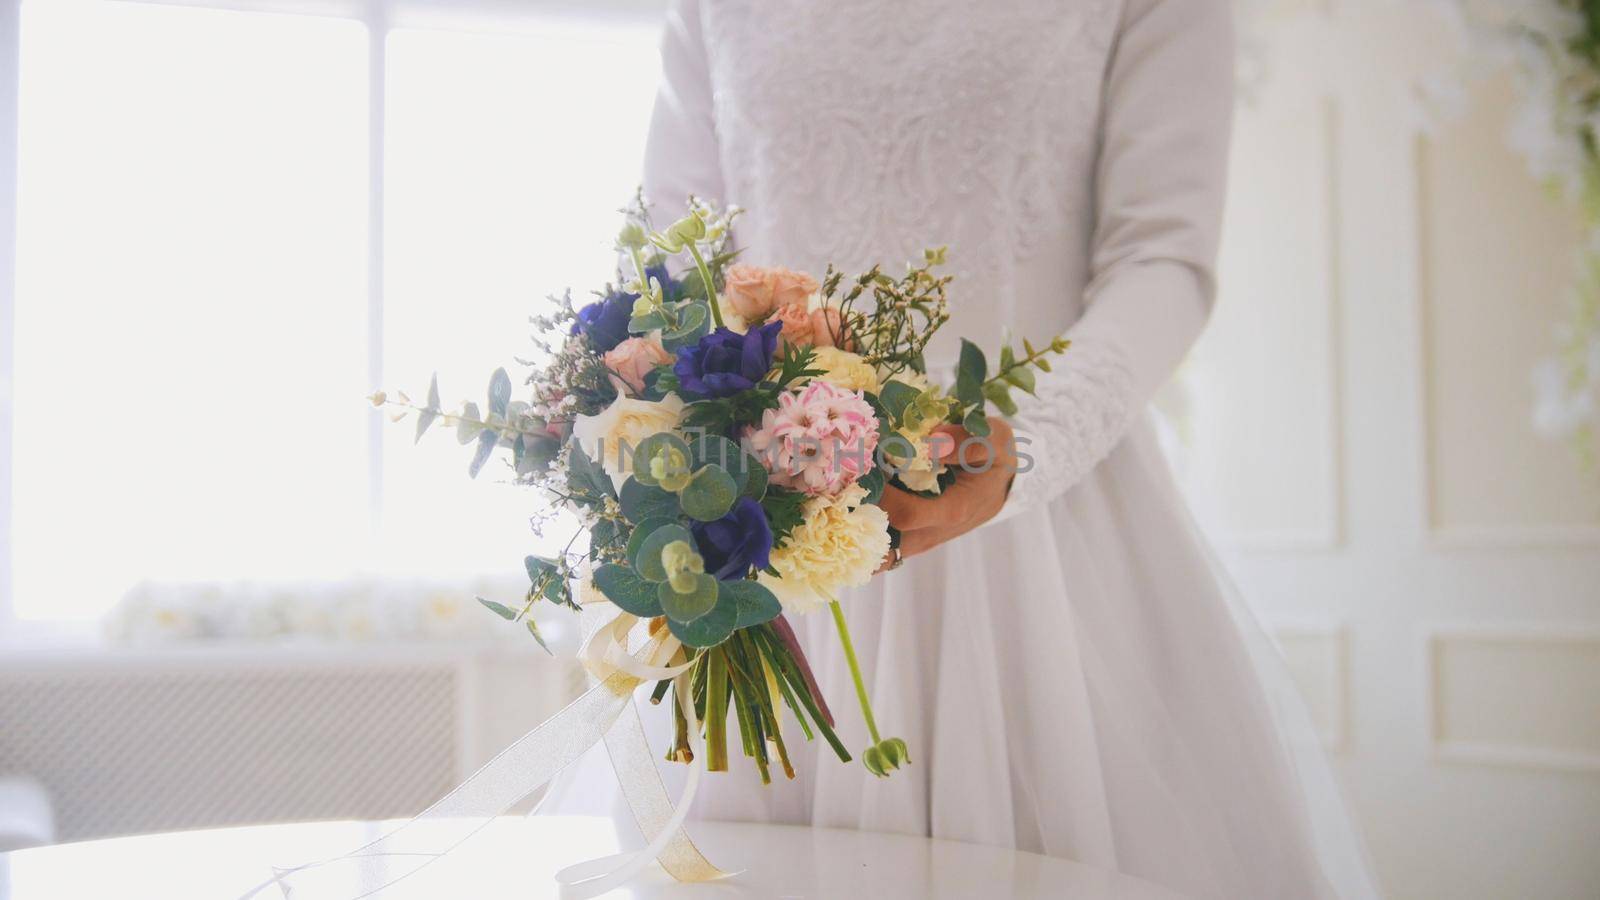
<point x="586" y="475"/>
<point x="499" y="609"/>
<point x="467" y="427"/>
<point x="647" y="557"/>
<point x="642" y="501"/>
<point x="499" y="392"/>
<point x="661" y="445"/>
<point x="895" y="397"/>
<point x="753" y="602"/>
<point x="694" y="323"/>
<point x="538" y="567"/>
<point x="976" y="423"/>
<point x="486" y="444"/>
<point x="647" y="322"/>
<point x="716" y="450"/>
<point x="999" y="393"/>
<point x="970" y="374"/>
<point x="628" y="591"/>
<point x="1021" y="377"/>
<point x="427" y="416"/>
<point x="686" y="607"/>
<point x="533" y="629"/>
<point x="710" y="629"/>
<point x="709" y="494"/>
<point x="640" y="532"/>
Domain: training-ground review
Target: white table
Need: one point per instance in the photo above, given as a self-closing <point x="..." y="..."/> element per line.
<point x="515" y="857"/>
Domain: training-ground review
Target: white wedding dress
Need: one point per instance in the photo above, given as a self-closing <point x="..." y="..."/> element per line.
<point x="1075" y="678"/>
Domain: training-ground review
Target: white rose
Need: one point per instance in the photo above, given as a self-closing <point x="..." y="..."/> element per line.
<point x="621" y="427"/>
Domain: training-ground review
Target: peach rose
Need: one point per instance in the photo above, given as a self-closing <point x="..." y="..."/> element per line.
<point x="633" y="359"/>
<point x="750" y="290"/>
<point x="791" y="288"/>
<point x="827" y="329"/>
<point x="797" y="330"/>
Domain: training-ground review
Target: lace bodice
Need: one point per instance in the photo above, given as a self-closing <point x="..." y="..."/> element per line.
<point x="858" y="133"/>
<point x="1053" y="146"/>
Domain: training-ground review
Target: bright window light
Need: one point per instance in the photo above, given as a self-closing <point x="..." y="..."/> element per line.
<point x="191" y="300"/>
<point x="192" y="314"/>
<point x="508" y="156"/>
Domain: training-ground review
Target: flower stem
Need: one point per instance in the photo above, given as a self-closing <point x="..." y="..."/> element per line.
<point x="705" y="279"/>
<point x="855" y="670"/>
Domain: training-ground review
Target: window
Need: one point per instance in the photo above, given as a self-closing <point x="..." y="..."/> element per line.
<point x="206" y="198"/>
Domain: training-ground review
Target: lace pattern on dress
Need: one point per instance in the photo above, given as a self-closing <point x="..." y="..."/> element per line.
<point x="1081" y="412"/>
<point x="942" y="114"/>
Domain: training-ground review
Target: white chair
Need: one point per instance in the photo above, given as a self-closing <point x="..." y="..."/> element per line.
<point x="26" y="817"/>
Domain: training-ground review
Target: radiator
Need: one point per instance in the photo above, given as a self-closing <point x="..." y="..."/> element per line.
<point x="129" y="742"/>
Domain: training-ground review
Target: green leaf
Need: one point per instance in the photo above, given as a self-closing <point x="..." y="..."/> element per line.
<point x="756" y="486"/>
<point x="694" y="323"/>
<point x="1007" y="358"/>
<point x="710" y="629"/>
<point x="643" y="501"/>
<point x="647" y="322"/>
<point x="688" y="607"/>
<point x="499" y="609"/>
<point x="499" y="392"/>
<point x="640" y="532"/>
<point x="895" y="397"/>
<point x="976" y="423"/>
<point x="716" y="450"/>
<point x="709" y="494"/>
<point x="1000" y="394"/>
<point x="585" y="476"/>
<point x="628" y="591"/>
<point x="754" y="603"/>
<point x="533" y="629"/>
<point x="1022" y="377"/>
<point x="427" y="416"/>
<point x="970" y="374"/>
<point x="486" y="444"/>
<point x="874" y="482"/>
<point x="662" y="445"/>
<point x="601" y="536"/>
<point x="647" y="556"/>
<point x="692" y="284"/>
<point x="783" y="508"/>
<point x="537" y="566"/>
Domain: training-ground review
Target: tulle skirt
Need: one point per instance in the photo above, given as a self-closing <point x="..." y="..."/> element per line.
<point x="1080" y="681"/>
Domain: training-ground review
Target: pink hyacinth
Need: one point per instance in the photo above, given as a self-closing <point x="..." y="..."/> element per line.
<point x="819" y="440"/>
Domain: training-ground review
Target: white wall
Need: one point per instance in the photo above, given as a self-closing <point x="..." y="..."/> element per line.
<point x="1359" y="440"/>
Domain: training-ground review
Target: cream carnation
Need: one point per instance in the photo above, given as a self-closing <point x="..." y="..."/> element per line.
<point x="619" y="429"/>
<point x="846" y="369"/>
<point x="839" y="543"/>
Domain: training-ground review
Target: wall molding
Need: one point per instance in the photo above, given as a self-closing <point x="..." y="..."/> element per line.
<point x="1437" y="536"/>
<point x="1443" y="749"/>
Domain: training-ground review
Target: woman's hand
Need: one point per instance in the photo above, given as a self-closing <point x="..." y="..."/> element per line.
<point x="985" y="467"/>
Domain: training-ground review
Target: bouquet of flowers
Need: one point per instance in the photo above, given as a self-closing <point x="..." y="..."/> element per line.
<point x="724" y="433"/>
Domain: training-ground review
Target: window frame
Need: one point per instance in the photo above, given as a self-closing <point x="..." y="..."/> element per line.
<point x="380" y="17"/>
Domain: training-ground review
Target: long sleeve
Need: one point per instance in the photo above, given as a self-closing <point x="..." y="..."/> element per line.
<point x="681" y="152"/>
<point x="1160" y="181"/>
